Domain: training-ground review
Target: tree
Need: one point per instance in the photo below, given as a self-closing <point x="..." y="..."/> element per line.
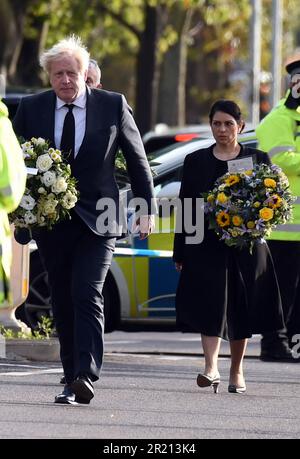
<point x="148" y="48"/>
<point x="12" y="20"/>
<point x="171" y="103"/>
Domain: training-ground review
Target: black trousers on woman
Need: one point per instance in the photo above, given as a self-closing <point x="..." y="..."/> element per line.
<point x="77" y="261"/>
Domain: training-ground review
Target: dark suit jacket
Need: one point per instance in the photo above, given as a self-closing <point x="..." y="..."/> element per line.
<point x="109" y="126"/>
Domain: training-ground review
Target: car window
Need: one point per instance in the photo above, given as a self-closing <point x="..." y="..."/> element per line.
<point x="163" y="180"/>
<point x="251" y="143"/>
<point x="154" y="157"/>
<point x="157" y="143"/>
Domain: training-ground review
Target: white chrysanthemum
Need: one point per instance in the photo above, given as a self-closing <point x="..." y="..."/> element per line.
<point x="69" y="200"/>
<point x="27" y="202"/>
<point x="29" y="218"/>
<point x="48" y="178"/>
<point x="42" y="190"/>
<point x="60" y="186"/>
<point x="44" y="162"/>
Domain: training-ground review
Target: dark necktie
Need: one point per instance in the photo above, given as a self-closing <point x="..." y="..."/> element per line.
<point x="67" y="143"/>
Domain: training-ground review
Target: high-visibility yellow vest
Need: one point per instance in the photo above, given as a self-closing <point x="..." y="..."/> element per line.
<point x="279" y="135"/>
<point x="12" y="186"/>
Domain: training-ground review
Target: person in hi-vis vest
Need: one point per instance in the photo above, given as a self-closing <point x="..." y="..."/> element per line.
<point x="12" y="187"/>
<point x="279" y="135"/>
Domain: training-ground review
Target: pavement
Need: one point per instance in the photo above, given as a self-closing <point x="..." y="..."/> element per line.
<point x="168" y="343"/>
<point x="135" y="342"/>
<point x="124" y="342"/>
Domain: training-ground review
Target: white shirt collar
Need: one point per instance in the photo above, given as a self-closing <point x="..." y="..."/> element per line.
<point x="80" y="101"/>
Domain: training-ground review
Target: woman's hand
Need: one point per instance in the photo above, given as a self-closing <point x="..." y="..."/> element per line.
<point x="178" y="267"/>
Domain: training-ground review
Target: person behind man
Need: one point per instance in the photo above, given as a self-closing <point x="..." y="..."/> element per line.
<point x="12" y="187"/>
<point x="93" y="79"/>
<point x="279" y="135"/>
<point x="77" y="253"/>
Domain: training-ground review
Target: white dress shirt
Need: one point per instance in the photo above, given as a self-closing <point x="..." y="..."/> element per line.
<point x="79" y="112"/>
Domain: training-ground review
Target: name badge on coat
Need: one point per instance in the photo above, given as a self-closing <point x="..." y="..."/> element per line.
<point x="240" y="165"/>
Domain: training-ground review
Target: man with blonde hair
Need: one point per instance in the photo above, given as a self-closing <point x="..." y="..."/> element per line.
<point x="90" y="125"/>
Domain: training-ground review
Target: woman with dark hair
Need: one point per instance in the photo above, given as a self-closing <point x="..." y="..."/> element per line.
<point x="223" y="292"/>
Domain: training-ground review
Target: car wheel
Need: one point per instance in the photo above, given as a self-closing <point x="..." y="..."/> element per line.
<point x="38" y="303"/>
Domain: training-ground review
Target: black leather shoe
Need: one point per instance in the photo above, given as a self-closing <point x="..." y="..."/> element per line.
<point x="67" y="397"/>
<point x="83" y="389"/>
<point x="283" y="354"/>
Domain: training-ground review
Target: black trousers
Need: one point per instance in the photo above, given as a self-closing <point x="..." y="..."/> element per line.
<point x="77" y="261"/>
<point x="286" y="257"/>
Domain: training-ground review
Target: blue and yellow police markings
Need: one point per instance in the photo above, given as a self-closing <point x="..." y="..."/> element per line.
<point x="149" y="271"/>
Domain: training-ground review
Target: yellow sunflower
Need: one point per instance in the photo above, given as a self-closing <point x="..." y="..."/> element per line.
<point x="223" y="219"/>
<point x="276" y="201"/>
<point x="232" y="179"/>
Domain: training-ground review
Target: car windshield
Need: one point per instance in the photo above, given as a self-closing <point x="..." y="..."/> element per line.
<point x="158" y="156"/>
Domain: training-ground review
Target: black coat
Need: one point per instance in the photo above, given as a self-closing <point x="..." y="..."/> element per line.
<point x="223" y="291"/>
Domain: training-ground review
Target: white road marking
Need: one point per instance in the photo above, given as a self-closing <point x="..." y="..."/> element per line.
<point x="122" y="342"/>
<point x="27" y="373"/>
<point x="19" y="365"/>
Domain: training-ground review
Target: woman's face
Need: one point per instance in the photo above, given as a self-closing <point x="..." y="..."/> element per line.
<point x="224" y="128"/>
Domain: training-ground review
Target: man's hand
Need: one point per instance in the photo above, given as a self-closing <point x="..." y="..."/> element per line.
<point x="178" y="266"/>
<point x="146" y="225"/>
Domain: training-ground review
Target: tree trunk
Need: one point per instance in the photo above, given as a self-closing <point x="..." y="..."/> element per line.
<point x="171" y="101"/>
<point x="145" y="72"/>
<point x="12" y="17"/>
<point x="29" y="72"/>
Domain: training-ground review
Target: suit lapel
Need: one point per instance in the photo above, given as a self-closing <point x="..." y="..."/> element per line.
<point x="47" y="117"/>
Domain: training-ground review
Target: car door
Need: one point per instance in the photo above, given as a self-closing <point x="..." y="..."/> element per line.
<point x="156" y="277"/>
